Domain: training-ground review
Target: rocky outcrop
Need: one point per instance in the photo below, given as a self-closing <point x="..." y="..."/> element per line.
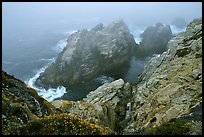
<point x="26" y="113"/>
<point x="21" y="104"/>
<point x="171" y="84"/>
<point x="106" y="106"/>
<point x="89" y="54"/>
<point x="154" y="40"/>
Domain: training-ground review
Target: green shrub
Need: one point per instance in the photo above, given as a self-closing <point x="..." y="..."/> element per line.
<point x="169" y="128"/>
<point x="60" y="124"/>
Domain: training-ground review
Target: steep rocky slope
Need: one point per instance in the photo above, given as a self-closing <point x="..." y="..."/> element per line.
<point x="26" y="113"/>
<point x="20" y="103"/>
<point x="171" y="84"/>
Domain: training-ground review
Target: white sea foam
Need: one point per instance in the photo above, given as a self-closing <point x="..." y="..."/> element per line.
<point x="105" y="79"/>
<point x="60" y="45"/>
<point x="52" y="93"/>
<point x="7" y="62"/>
<point x="63" y="43"/>
<point x="49" y="94"/>
<point x="67" y="33"/>
<point x="176" y="31"/>
<point x="44" y="59"/>
<point x="136" y="33"/>
<point x="138" y="39"/>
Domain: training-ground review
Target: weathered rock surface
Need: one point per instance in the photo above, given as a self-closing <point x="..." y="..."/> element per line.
<point x="171" y="84"/>
<point x="89" y="54"/>
<point x="106" y="106"/>
<point x="154" y="40"/>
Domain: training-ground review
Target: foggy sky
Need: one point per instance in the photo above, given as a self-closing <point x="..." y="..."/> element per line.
<point x="31" y="29"/>
<point x="21" y="16"/>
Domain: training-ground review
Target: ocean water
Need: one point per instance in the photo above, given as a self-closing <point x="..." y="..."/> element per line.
<point x="35" y="52"/>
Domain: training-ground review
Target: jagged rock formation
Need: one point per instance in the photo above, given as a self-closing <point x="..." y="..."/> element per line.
<point x="89" y="54"/>
<point x="26" y="113"/>
<point x="106" y="106"/>
<point x="171" y="84"/>
<point x="154" y="40"/>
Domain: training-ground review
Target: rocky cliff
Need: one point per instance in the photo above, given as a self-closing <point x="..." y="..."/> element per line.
<point x="105" y="106"/>
<point x="171" y="84"/>
<point x="167" y="99"/>
<point x="89" y="54"/>
<point x="26" y="113"/>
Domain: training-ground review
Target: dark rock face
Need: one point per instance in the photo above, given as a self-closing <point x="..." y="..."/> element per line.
<point x="154" y="40"/>
<point x="88" y="54"/>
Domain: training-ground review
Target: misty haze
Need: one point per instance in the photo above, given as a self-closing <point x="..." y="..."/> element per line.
<point x="35" y="33"/>
<point x="101" y="68"/>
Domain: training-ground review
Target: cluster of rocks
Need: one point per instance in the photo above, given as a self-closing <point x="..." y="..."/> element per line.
<point x="169" y="88"/>
<point x="100" y="51"/>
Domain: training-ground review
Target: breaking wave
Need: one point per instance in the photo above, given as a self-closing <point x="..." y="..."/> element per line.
<point x="176" y="31"/>
<point x="60" y="45"/>
<point x="51" y="93"/>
